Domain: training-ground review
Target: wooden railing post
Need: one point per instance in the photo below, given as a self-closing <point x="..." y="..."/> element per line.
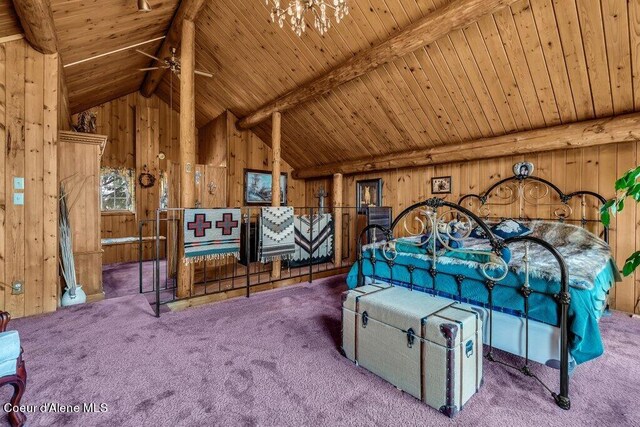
<point x="337" y="220"/>
<point x="276" y="137"/>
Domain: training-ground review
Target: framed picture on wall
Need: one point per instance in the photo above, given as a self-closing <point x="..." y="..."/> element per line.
<point x="441" y="185"/>
<point x="368" y="194"/>
<point x="257" y="187"/>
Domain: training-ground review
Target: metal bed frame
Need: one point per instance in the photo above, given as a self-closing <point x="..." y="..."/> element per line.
<point x="520" y="190"/>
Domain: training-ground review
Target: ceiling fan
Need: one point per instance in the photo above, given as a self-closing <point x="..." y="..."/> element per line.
<point x="172" y="64"/>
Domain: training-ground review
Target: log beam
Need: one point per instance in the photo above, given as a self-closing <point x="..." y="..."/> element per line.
<point x="455" y="15"/>
<point x="276" y="138"/>
<point x="187" y="144"/>
<point x="575" y="135"/>
<point x="187" y="11"/>
<point x="37" y="23"/>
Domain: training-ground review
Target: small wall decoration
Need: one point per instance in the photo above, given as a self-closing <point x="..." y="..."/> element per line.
<point x="321" y="195"/>
<point x="87" y="122"/>
<point x="368" y="194"/>
<point x="523" y="169"/>
<point x="441" y="185"/>
<point x="257" y="187"/>
<point x="145" y="179"/>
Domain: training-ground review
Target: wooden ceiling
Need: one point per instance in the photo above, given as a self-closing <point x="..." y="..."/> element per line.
<point x="9" y="24"/>
<point x="538" y="63"/>
<point x="86" y="28"/>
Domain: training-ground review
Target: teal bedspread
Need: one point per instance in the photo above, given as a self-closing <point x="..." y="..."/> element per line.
<point x="586" y="308"/>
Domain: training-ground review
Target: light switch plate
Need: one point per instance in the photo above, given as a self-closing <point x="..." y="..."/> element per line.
<point x="18" y="183"/>
<point x="18" y="199"/>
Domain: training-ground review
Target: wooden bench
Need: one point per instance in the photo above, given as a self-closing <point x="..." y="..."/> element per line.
<point x="125" y="249"/>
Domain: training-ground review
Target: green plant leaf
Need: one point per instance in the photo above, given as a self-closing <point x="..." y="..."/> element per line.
<point x="605" y="218"/>
<point x="631" y="264"/>
<point x="621" y="183"/>
<point x="620" y="206"/>
<point x="607" y="205"/>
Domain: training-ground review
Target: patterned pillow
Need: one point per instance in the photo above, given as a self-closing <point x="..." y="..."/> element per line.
<point x="478" y="233"/>
<point x="510" y="228"/>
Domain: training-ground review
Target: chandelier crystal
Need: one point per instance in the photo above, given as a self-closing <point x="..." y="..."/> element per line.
<point x="296" y="10"/>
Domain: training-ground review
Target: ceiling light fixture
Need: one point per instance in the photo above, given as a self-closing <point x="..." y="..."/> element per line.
<point x="297" y="9"/>
<point x="143" y="6"/>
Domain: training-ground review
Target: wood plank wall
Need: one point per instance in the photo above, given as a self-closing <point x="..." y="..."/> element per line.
<point x="28" y="143"/>
<point x="138" y="129"/>
<point x="594" y="168"/>
<point x="222" y="144"/>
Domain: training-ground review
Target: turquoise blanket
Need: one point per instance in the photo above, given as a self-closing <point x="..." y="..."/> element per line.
<point x="586" y="308"/>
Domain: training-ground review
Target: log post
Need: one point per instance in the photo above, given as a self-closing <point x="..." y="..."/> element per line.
<point x="187" y="145"/>
<point x="276" y="137"/>
<point x="337" y="220"/>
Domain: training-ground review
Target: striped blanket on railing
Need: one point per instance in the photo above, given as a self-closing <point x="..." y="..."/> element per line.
<point x="313" y="235"/>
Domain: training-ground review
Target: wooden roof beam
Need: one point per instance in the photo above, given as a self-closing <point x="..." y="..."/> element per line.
<point x="455" y="15"/>
<point x="575" y="135"/>
<point x="37" y="23"/>
<point x="188" y="10"/>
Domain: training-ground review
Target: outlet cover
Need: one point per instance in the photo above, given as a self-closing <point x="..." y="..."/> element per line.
<point x="17" y="288"/>
<point x="18" y="199"/>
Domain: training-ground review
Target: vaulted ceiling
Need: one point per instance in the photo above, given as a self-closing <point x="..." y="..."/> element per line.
<point x="537" y="63"/>
<point x="87" y="28"/>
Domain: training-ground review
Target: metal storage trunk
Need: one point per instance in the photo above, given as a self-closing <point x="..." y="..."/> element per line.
<point x="427" y="346"/>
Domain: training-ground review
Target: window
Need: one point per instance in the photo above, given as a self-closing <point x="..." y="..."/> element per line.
<point x="117" y="190"/>
<point x="164" y="190"/>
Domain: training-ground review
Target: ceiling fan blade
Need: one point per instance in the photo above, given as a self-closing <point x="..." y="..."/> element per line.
<point x="148" y="69"/>
<point x="203" y="73"/>
<point x="150" y="56"/>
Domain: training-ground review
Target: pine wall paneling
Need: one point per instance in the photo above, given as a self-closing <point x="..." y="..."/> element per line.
<point x="28" y="143"/>
<point x="138" y="129"/>
<point x="592" y="168"/>
<point x="222" y="144"/>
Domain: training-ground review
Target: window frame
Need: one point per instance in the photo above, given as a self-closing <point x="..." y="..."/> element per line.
<point x="128" y="175"/>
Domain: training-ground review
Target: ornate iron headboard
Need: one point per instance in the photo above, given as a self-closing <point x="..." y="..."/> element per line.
<point x="520" y="192"/>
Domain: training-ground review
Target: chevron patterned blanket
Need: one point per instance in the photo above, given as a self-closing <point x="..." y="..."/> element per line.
<point x="276" y="234"/>
<point x="211" y="234"/>
<point x="315" y="235"/>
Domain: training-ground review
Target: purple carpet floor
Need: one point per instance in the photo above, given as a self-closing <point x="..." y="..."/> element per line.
<point x="123" y="279"/>
<point x="272" y="360"/>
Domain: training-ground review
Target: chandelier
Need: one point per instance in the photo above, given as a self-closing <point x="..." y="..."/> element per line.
<point x="296" y="10"/>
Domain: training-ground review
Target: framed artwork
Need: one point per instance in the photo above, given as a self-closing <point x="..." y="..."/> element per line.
<point x="257" y="187"/>
<point x="441" y="185"/>
<point x="368" y="194"/>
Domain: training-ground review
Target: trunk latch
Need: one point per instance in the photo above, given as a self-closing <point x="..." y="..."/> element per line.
<point x="469" y="348"/>
<point x="411" y="337"/>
